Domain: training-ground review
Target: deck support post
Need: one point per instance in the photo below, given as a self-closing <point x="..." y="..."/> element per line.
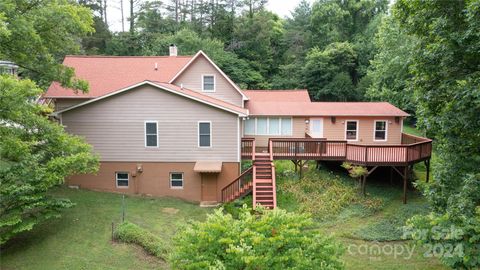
<point x="405" y="178"/>
<point x="427" y="164"/>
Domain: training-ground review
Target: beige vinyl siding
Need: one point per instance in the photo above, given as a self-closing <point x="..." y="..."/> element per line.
<point x="191" y="78"/>
<point x="115" y="127"/>
<point x="336" y="131"/>
<point x="63" y="103"/>
<point x="298" y="131"/>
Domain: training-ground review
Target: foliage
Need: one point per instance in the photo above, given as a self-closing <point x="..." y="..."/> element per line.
<point x="446" y="79"/>
<point x="324" y="194"/>
<point x="131" y="233"/>
<point x="271" y="240"/>
<point x="389" y="70"/>
<point x="37" y="35"/>
<point x="355" y="171"/>
<point x="390" y="226"/>
<point x="37" y="154"/>
<point x="328" y="73"/>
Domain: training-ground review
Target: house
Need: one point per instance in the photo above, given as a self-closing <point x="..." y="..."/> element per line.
<point x="179" y="126"/>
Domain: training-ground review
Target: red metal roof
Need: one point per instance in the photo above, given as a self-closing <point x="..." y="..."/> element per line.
<point x="107" y="74"/>
<point x="300" y="95"/>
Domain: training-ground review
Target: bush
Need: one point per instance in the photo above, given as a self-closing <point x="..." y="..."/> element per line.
<point x="130" y="233"/>
<point x="274" y="239"/>
<point x="324" y="195"/>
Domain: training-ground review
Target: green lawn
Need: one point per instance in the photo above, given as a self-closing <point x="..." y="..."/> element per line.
<point x="81" y="238"/>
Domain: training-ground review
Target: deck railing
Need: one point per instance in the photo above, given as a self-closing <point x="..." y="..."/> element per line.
<point x="414" y="150"/>
<point x="248" y="148"/>
<point x="238" y="187"/>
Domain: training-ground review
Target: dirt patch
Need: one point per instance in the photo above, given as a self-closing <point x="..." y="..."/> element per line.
<point x="170" y="210"/>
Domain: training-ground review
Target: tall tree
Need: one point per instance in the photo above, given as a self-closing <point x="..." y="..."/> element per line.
<point x="36" y="35"/>
<point x="329" y="74"/>
<point x="36" y="154"/>
<point x="389" y="71"/>
<point x="446" y="79"/>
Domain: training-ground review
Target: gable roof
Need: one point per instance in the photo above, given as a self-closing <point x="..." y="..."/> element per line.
<point x="107" y="74"/>
<point x="195" y="57"/>
<point x="193" y="95"/>
<point x="300" y="95"/>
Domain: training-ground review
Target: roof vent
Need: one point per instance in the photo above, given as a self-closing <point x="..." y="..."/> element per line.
<point x="173" y="50"/>
<point x="156" y="66"/>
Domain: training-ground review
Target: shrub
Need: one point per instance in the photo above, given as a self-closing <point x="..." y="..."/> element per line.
<point x="130" y="233"/>
<point x="324" y="195"/>
<point x="274" y="239"/>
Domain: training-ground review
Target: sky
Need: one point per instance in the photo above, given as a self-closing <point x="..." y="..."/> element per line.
<point x="281" y="7"/>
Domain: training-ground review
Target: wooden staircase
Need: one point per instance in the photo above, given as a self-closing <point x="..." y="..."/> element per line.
<point x="264" y="192"/>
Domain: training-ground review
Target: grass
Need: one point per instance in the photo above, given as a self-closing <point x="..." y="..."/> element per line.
<point x="376" y="220"/>
<point x="81" y="238"/>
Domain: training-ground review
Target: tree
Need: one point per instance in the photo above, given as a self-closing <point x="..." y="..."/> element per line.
<point x="446" y="77"/>
<point x="96" y="42"/>
<point x="389" y="70"/>
<point x="329" y="74"/>
<point x="274" y="239"/>
<point x="189" y="43"/>
<point x="36" y="35"/>
<point x="36" y="154"/>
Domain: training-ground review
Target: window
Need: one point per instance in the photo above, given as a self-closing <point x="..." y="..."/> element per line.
<point x="351" y="130"/>
<point x="286" y="126"/>
<point x="208" y="83"/>
<point x="274" y="126"/>
<point x="250" y="126"/>
<point x="122" y="179"/>
<point x="151" y="134"/>
<point x="262" y="126"/>
<point x="380" y="130"/>
<point x="204" y="134"/>
<point x="176" y="180"/>
<point x="268" y="126"/>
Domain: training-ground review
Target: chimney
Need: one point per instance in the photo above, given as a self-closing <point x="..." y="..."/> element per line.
<point x="173" y="50"/>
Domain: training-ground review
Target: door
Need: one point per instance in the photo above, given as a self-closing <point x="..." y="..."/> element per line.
<point x="209" y="187"/>
<point x="316" y="127"/>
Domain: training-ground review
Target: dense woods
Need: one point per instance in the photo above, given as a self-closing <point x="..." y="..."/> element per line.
<point x="325" y="47"/>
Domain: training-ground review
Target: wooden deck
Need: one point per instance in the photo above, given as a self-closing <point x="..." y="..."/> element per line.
<point x="412" y="150"/>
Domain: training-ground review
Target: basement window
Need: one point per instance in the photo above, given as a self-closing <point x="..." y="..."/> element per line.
<point x="122" y="179"/>
<point x="176" y="180"/>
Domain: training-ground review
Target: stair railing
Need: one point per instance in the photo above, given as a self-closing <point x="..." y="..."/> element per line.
<point x="234" y="190"/>
<point x="254" y="177"/>
<point x="274" y="188"/>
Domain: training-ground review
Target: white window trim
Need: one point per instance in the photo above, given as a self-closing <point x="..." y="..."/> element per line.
<point x="198" y="133"/>
<point x="255" y="127"/>
<point x="128" y="180"/>
<point x="375" y="130"/>
<point x="214" y="83"/>
<point x="145" y="133"/>
<point x="358" y="129"/>
<point x="183" y="180"/>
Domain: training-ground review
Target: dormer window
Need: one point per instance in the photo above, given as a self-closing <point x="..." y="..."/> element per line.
<point x="208" y="83"/>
